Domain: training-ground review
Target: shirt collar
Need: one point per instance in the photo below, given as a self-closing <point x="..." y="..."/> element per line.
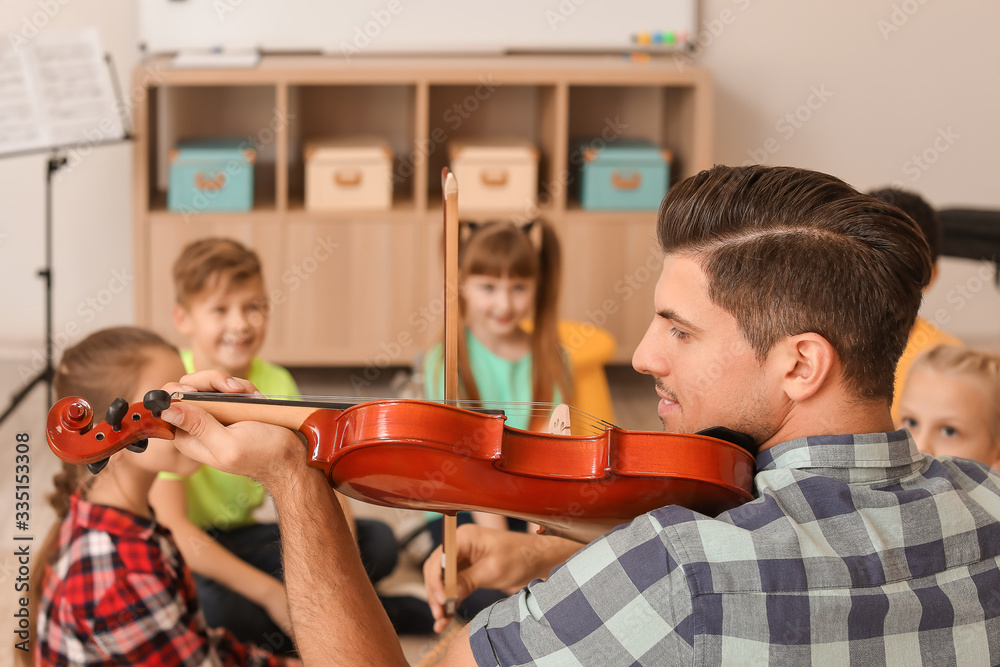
<point x="111" y="520"/>
<point x="878" y="452"/>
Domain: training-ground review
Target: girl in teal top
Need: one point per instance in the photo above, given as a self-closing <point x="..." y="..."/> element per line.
<point x="507" y="274"/>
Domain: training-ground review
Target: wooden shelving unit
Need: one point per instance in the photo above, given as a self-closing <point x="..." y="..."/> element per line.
<point x="364" y="289"/>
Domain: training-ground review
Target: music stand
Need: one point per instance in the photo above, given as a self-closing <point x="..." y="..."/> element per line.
<point x="55" y="162"/>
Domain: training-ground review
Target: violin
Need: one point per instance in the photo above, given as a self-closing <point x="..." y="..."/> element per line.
<point x="424" y="455"/>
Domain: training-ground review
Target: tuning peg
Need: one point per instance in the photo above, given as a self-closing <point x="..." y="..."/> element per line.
<point x="139" y="446"/>
<point x="156" y="401"/>
<point x="116" y="412"/>
<point x="97" y="466"/>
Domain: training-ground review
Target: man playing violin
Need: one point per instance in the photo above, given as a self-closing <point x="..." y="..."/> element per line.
<point x="784" y="303"/>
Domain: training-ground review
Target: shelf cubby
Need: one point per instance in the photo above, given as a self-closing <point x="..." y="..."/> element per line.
<point x="361" y="288"/>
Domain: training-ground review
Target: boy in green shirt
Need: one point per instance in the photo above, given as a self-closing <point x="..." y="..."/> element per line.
<point x="222" y="308"/>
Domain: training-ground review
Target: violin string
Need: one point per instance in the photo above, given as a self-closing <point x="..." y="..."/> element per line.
<point x="579" y="419"/>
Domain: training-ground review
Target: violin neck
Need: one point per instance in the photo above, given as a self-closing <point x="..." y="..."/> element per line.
<point x="229" y="410"/>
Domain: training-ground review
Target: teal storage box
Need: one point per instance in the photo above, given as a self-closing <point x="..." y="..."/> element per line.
<point x="628" y="175"/>
<point x="211" y="175"/>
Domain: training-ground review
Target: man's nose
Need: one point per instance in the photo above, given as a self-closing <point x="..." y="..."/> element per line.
<point x="643" y="357"/>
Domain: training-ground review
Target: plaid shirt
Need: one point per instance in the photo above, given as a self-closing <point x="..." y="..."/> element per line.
<point x="857" y="549"/>
<point x="119" y="593"/>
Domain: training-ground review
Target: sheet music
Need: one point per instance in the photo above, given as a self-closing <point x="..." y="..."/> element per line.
<point x="56" y="91"/>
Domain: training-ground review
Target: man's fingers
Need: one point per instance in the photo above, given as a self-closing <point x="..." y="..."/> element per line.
<point x="198" y="426"/>
<point x="215" y="380"/>
<point x="433" y="582"/>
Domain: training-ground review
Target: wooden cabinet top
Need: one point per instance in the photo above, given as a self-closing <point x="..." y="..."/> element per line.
<point x="545" y="70"/>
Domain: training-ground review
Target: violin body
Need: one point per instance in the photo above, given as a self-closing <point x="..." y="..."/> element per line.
<point x="427" y="456"/>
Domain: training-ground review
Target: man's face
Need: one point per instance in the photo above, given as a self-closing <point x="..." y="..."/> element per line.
<point x="706" y="373"/>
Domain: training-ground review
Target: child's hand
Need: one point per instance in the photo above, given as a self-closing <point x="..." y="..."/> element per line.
<point x="275" y="603"/>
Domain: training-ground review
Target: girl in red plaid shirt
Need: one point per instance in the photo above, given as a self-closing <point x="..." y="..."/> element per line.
<point x="115" y="589"/>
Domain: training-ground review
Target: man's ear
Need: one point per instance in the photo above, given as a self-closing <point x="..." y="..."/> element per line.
<point x="807" y="361"/>
<point x="182" y="320"/>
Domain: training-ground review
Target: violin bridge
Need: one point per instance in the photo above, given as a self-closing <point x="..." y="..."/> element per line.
<point x="559" y="420"/>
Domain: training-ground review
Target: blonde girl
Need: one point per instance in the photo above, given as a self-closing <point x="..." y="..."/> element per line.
<point x="951" y="404"/>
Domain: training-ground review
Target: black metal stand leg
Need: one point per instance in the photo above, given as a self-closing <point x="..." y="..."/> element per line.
<point x="55" y="163"/>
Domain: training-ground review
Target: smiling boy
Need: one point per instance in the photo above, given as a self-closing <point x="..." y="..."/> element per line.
<point x="222" y="307"/>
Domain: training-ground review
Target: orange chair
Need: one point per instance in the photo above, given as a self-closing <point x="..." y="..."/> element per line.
<point x="589" y="348"/>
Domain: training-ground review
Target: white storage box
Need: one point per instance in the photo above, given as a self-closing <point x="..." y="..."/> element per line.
<point x="495" y="175"/>
<point x="348" y="174"/>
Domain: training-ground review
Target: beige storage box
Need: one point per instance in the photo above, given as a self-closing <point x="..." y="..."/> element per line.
<point x="495" y="175"/>
<point x="348" y="175"/>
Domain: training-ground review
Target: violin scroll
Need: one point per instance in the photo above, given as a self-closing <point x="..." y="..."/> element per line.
<point x="73" y="436"/>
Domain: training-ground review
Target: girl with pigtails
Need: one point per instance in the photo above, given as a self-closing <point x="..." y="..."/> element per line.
<point x="508" y="275"/>
<point x="509" y="355"/>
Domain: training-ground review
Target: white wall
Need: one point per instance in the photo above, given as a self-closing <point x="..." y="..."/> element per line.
<point x="92" y="205"/>
<point x="898" y="79"/>
<point x="890" y="97"/>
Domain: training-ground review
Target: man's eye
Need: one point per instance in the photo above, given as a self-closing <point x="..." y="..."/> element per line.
<point x="677" y="333"/>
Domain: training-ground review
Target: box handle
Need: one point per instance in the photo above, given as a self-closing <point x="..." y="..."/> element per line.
<point x="495" y="178"/>
<point x="622" y="183"/>
<point x="216" y="182"/>
<point x="347" y="179"/>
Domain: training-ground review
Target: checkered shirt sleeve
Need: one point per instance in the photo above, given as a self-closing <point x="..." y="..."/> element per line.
<point x="857" y="550"/>
<point x="115" y="598"/>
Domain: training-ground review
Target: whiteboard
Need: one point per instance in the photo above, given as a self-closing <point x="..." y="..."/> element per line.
<point x="371" y="27"/>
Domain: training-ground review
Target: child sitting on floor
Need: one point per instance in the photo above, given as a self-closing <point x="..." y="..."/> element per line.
<point x="221" y="306"/>
<point x="951" y="404"/>
<point x="508" y="274"/>
<point x="114" y="588"/>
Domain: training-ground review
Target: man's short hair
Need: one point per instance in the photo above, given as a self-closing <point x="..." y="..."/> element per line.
<point x="207" y="263"/>
<point x="922" y="213"/>
<point x="790" y="251"/>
